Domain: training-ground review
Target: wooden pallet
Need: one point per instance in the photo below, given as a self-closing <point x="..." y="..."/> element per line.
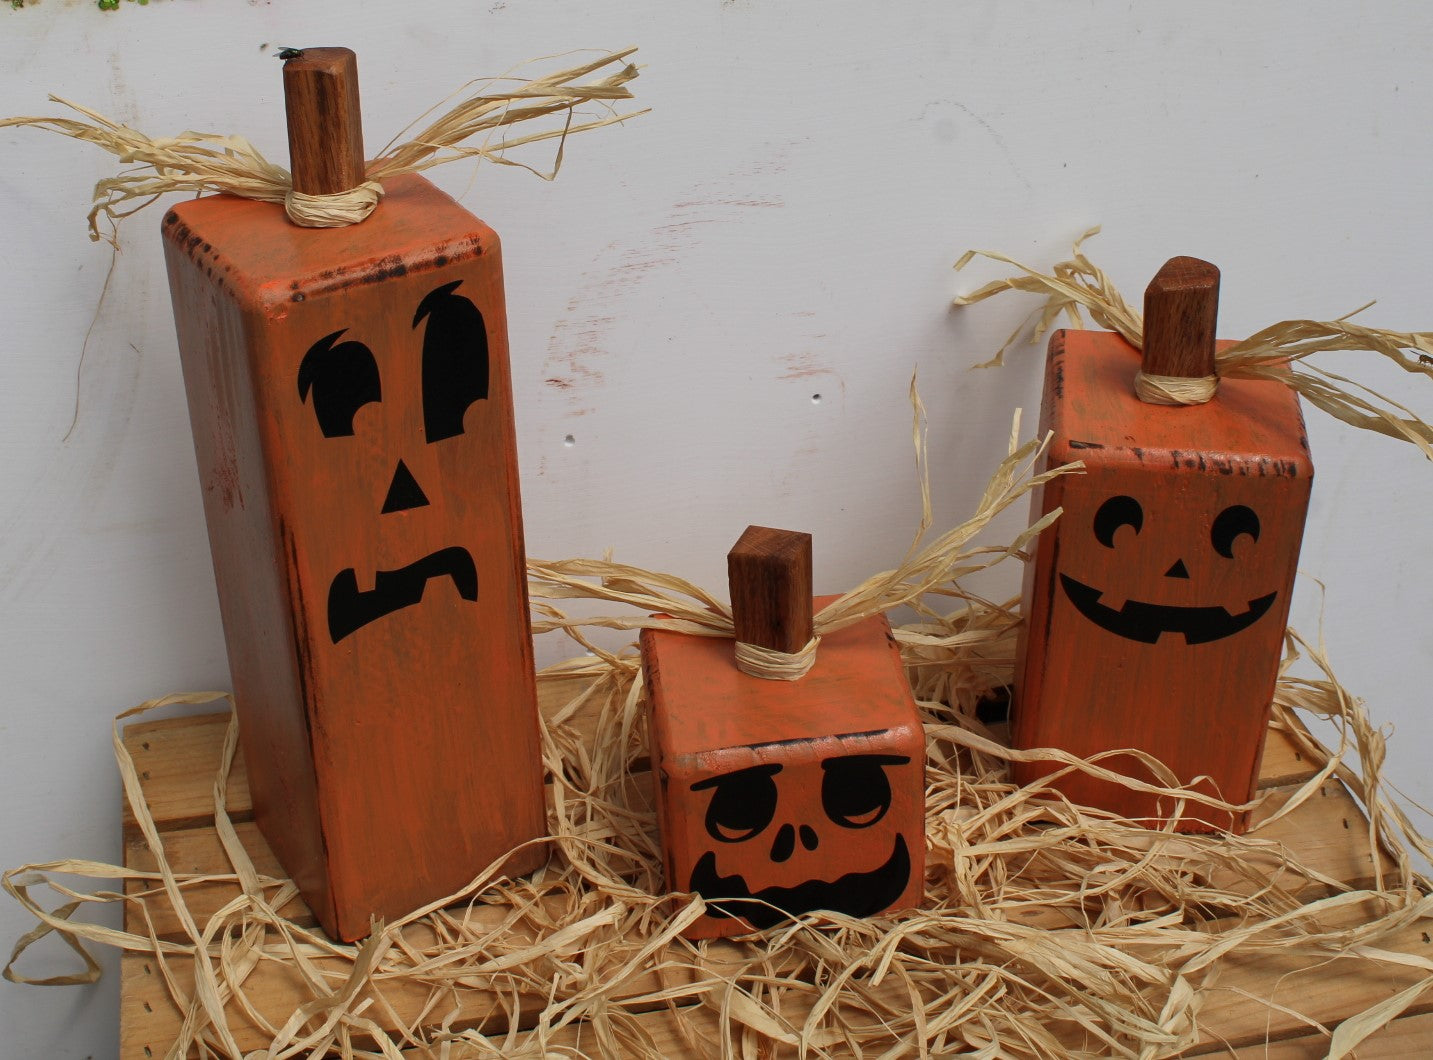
<point x="1269" y="1007"/>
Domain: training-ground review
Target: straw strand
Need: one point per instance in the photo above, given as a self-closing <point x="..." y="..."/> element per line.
<point x="207" y="162"/>
<point x="1278" y="352"/>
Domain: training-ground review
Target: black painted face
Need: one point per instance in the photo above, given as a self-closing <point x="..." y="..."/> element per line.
<point x="745" y="812"/>
<point x="1147" y="622"/>
<point x="339" y="378"/>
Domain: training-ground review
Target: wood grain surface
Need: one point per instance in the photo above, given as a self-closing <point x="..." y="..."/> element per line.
<point x="769" y="577"/>
<point x="350" y="396"/>
<point x="1328" y="834"/>
<point x="325" y="121"/>
<point x="1157" y="602"/>
<point x="1181" y="312"/>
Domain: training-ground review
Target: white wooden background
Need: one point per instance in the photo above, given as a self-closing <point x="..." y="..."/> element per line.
<point x="781" y="226"/>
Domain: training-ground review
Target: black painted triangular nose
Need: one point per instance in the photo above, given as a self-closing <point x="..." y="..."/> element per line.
<point x="1177" y="571"/>
<point x="404" y="492"/>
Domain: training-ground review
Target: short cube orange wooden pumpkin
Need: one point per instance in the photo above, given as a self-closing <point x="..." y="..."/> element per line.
<point x="777" y="798"/>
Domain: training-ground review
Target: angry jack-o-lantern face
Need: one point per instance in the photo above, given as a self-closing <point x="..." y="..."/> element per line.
<point x="780" y="829"/>
<point x="1117" y="525"/>
<point x="338" y="379"/>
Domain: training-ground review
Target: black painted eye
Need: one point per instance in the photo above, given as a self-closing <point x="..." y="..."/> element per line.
<point x="342" y="378"/>
<point x="1115" y="513"/>
<point x="855" y="792"/>
<point x="455" y="360"/>
<point x="1229" y="524"/>
<point x="742" y="805"/>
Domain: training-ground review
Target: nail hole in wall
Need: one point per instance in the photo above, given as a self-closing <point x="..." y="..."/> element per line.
<point x="815" y="399"/>
<point x="569" y="441"/>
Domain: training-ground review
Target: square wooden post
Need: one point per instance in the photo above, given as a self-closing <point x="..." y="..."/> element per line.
<point x="1155" y="606"/>
<point x="351" y="402"/>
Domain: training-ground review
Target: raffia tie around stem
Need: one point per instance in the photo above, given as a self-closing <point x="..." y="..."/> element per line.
<point x="771" y="665"/>
<point x="333" y="211"/>
<point x="206" y="162"/>
<point x="1175" y="389"/>
<point x="1278" y="352"/>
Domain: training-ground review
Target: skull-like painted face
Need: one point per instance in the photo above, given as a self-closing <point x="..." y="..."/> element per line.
<point x="779" y="828"/>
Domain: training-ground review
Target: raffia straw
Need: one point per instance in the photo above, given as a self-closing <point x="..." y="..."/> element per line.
<point x="1046" y="927"/>
<point x="929" y="567"/>
<point x="199" y="162"/>
<point x="1278" y="352"/>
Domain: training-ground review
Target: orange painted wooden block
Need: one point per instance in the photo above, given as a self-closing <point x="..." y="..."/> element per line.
<point x="778" y="797"/>
<point x="350" y="397"/>
<point x="1155" y="606"/>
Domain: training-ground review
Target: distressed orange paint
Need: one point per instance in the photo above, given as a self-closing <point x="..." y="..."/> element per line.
<point x="367" y="539"/>
<point x="810" y="794"/>
<point x="1156" y="605"/>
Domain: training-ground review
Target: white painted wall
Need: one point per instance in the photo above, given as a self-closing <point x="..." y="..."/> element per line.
<point x="781" y="225"/>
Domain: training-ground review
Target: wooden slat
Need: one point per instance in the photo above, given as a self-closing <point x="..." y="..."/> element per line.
<point x="198" y="851"/>
<point x="1315" y="831"/>
<point x="1284" y="762"/>
<point x="177" y="759"/>
<point x="1328" y="833"/>
<point x="1411" y="1036"/>
<point x="698" y="1031"/>
<point x="1237" y="1012"/>
<point x="275" y="988"/>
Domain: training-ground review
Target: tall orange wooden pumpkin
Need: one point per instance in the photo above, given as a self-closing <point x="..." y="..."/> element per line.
<point x="350" y="398"/>
<point x="1155" y="606"/>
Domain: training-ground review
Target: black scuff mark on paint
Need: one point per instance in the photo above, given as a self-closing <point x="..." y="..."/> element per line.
<point x="389" y="268"/>
<point x="300" y="635"/>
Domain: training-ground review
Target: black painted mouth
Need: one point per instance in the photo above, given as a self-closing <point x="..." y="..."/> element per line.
<point x="1146" y="622"/>
<point x="855" y="894"/>
<point x="350" y="609"/>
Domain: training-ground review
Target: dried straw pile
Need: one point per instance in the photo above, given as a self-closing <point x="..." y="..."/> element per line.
<point x="1047" y="928"/>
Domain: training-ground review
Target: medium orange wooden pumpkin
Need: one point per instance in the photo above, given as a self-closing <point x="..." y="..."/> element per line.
<point x="1156" y="605"/>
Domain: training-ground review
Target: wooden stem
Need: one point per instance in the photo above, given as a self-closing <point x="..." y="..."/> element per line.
<point x="325" y="126"/>
<point x="1181" y="309"/>
<point x="769" y="575"/>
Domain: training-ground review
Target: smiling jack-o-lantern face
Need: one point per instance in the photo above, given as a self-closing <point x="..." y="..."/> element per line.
<point x="1146" y="621"/>
<point x="1155" y="605"/>
<point x="768" y="824"/>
